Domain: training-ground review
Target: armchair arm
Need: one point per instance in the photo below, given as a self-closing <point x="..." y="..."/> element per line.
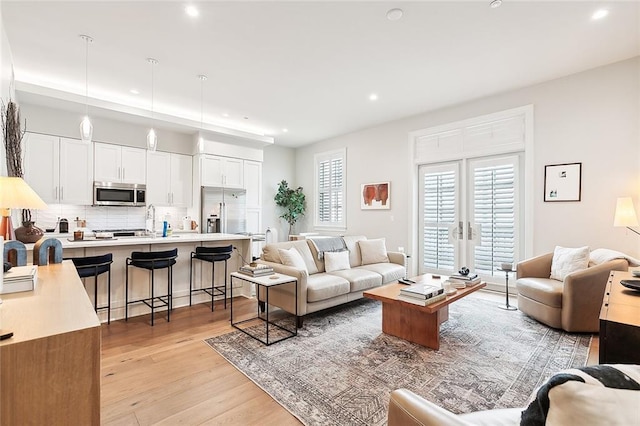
<point x="536" y="267"/>
<point x="283" y="298"/>
<point x="582" y="295"/>
<point x="408" y="409"/>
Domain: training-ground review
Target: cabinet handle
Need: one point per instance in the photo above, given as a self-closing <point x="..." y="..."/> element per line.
<point x="123" y="173"/>
<point x="61" y="193"/>
<point x="56" y="197"/>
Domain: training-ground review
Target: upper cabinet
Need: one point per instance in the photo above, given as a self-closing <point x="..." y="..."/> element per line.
<point x="253" y="183"/>
<point x="169" y="179"/>
<point x="121" y="164"/>
<point x="60" y="170"/>
<point x="222" y="171"/>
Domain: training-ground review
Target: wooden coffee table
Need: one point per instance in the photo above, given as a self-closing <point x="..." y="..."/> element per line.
<point x="417" y="324"/>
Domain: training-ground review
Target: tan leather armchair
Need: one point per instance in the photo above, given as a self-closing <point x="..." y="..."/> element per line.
<point x="408" y="409"/>
<point x="573" y="304"/>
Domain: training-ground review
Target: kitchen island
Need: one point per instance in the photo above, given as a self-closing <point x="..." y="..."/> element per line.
<point x="139" y="282"/>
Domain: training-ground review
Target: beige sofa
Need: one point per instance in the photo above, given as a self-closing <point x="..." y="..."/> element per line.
<point x="318" y="289"/>
<point x="573" y="304"/>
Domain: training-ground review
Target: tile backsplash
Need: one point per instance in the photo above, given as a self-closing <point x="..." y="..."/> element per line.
<point x="102" y="217"/>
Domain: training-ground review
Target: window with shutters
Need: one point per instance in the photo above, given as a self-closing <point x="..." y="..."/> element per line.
<point x="330" y="183"/>
<point x="439" y="201"/>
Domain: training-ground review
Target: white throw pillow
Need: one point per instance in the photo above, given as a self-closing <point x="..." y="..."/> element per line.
<point x="373" y="251"/>
<point x="336" y="260"/>
<point x="568" y="260"/>
<point x="292" y="258"/>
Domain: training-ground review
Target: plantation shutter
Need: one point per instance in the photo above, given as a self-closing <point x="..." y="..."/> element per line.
<point x="494" y="213"/>
<point x="439" y="217"/>
<point x="330" y="189"/>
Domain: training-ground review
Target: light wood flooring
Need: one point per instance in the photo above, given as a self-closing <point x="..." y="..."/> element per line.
<point x="166" y="374"/>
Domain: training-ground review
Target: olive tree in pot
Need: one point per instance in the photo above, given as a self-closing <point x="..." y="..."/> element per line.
<point x="292" y="201"/>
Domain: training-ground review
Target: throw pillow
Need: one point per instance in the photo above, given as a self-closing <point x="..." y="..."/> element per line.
<point x="292" y="258"/>
<point x="568" y="260"/>
<point x="336" y="260"/>
<point x="373" y="251"/>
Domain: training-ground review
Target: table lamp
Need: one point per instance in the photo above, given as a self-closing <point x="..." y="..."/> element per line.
<point x="625" y="214"/>
<point x="15" y="193"/>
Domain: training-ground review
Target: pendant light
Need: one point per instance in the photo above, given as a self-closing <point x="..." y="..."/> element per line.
<point x="152" y="139"/>
<point x="202" y="78"/>
<point x="86" y="128"/>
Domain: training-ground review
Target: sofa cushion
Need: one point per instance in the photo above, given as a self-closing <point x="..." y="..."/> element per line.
<point x="325" y="286"/>
<point x="351" y="241"/>
<point x="389" y="271"/>
<point x="270" y="253"/>
<point x="292" y="257"/>
<point x="359" y="279"/>
<point x="567" y="260"/>
<point x="336" y="261"/>
<point x="373" y="251"/>
<point x="544" y="290"/>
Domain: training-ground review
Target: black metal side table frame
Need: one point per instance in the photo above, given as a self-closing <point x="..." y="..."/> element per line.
<point x="266" y="284"/>
<point x="507" y="306"/>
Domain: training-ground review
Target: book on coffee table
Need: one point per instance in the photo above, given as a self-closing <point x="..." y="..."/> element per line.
<point x="422" y="291"/>
<point x="422" y="302"/>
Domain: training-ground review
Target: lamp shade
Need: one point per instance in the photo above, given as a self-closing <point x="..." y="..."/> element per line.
<point x="625" y="213"/>
<point x="15" y="193"/>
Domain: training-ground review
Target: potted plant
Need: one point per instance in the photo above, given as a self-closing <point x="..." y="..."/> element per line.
<point x="292" y="201"/>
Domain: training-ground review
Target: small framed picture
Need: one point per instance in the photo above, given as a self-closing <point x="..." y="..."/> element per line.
<point x="563" y="182"/>
<point x="375" y="196"/>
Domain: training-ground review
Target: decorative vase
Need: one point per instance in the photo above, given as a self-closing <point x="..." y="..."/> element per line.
<point x="28" y="233"/>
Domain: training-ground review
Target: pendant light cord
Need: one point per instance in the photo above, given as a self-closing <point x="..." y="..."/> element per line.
<point x="86" y="78"/>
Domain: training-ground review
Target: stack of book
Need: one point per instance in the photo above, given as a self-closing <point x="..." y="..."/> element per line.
<point x="422" y="294"/>
<point x="20" y="278"/>
<point x="461" y="281"/>
<point x="259" y="270"/>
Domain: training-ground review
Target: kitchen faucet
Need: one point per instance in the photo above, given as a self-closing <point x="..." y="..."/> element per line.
<point x="151" y="214"/>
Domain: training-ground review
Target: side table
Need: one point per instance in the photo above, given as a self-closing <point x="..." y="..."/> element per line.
<point x="507" y="306"/>
<point x="267" y="282"/>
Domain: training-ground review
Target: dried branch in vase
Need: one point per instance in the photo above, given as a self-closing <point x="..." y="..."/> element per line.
<point x="12" y="138"/>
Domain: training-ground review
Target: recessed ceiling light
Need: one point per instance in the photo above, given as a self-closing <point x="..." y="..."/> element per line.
<point x="224" y="114"/>
<point x="599" y="14"/>
<point x="246" y="118"/>
<point x="394" y="14"/>
<point x="285" y="130"/>
<point x="134" y="91"/>
<point x="373" y="97"/>
<point x="495" y="4"/>
<point x="191" y="11"/>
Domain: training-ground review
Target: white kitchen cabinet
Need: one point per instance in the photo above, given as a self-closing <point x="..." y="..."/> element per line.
<point x="60" y="170"/>
<point x="222" y="171"/>
<point x="169" y="179"/>
<point x="121" y="164"/>
<point x="253" y="183"/>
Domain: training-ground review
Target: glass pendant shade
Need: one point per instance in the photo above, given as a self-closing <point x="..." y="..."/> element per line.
<point x="152" y="140"/>
<point x="86" y="129"/>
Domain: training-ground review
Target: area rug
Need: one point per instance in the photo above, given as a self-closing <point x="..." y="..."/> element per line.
<point x="341" y="368"/>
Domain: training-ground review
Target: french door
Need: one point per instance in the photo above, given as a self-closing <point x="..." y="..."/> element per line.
<point x="470" y="215"/>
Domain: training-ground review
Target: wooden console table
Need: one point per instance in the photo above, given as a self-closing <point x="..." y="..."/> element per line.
<point x="50" y="368"/>
<point x="619" y="322"/>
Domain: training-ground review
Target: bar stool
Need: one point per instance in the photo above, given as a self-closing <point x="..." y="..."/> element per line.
<point x="151" y="261"/>
<point x="213" y="255"/>
<point x="92" y="266"/>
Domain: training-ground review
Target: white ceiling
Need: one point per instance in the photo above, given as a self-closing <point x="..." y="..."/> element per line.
<point x="305" y="66"/>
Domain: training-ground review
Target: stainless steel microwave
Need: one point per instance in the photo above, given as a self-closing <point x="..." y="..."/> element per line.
<point x="118" y="194"/>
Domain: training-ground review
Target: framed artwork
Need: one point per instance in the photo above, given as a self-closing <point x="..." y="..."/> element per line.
<point x="563" y="182"/>
<point x="375" y="196"/>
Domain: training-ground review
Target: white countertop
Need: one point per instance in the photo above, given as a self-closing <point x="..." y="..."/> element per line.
<point x="136" y="241"/>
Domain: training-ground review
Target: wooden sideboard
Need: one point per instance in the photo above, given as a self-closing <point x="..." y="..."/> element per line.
<point x="50" y="368"/>
<point x="619" y="322"/>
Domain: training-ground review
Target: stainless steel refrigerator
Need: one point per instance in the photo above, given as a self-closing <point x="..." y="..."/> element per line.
<point x="223" y="210"/>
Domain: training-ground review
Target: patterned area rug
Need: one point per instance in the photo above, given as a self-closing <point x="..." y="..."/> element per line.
<point x="341" y="368"/>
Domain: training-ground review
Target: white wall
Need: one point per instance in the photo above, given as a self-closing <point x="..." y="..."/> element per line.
<point x="589" y="117"/>
<point x="6" y="65"/>
<point x="279" y="164"/>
